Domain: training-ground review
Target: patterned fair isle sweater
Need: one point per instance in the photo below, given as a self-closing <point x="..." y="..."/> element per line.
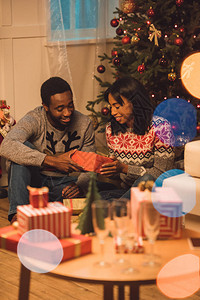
<point x="151" y="153"/>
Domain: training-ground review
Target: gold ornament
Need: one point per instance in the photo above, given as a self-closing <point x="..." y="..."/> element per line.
<point x="172" y="75"/>
<point x="135" y="39"/>
<point x="94" y="121"/>
<point x="128" y="6"/>
<point x="155" y="34"/>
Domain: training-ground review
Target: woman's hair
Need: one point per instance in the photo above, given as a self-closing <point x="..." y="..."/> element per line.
<point x="133" y="91"/>
<point x="52" y="86"/>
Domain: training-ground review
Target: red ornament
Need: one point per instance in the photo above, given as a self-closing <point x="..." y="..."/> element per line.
<point x="148" y="22"/>
<point x="101" y="69"/>
<point x="150" y="12"/>
<point x="126" y="40"/>
<point x="119" y="31"/>
<point x="105" y="111"/>
<point x="114" y="22"/>
<point x="178" y="41"/>
<point x="116" y="61"/>
<point x="179" y="2"/>
<point x="182" y="29"/>
<point x="141" y="68"/>
<point x="198" y="129"/>
<point x="114" y="53"/>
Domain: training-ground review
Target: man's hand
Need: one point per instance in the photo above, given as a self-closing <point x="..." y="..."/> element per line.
<point x="63" y="162"/>
<point x="113" y="168"/>
<point x="71" y="191"/>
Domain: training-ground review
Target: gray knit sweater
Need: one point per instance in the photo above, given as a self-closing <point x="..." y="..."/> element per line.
<point x="35" y="128"/>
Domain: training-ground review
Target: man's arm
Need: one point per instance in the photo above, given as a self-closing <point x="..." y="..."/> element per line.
<point x="62" y="162"/>
<point x="13" y="147"/>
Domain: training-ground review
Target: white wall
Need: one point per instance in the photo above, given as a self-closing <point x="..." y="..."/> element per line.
<point x="22" y="54"/>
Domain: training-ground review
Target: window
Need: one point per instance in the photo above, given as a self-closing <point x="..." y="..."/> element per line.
<point x="78" y="19"/>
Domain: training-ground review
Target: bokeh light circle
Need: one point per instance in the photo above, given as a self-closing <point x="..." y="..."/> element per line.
<point x="39" y="250"/>
<point x="176" y="185"/>
<point x="179" y="278"/>
<point x="190" y="74"/>
<point x="182" y="117"/>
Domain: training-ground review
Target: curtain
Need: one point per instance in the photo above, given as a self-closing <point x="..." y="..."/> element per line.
<point x="94" y="13"/>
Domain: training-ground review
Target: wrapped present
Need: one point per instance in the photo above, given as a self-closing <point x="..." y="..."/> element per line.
<point x="167" y="202"/>
<point x="38" y="197"/>
<point x="55" y="217"/>
<point x="75" y="246"/>
<point x="90" y="161"/>
<point x="76" y="204"/>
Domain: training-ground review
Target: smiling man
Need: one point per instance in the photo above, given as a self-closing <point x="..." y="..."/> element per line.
<point x="41" y="143"/>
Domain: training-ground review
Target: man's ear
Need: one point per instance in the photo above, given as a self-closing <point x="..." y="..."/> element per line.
<point x="45" y="107"/>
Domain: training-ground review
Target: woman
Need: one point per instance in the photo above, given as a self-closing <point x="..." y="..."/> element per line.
<point x="139" y="142"/>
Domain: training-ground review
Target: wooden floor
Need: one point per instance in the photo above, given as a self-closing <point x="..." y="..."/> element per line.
<point x="46" y="287"/>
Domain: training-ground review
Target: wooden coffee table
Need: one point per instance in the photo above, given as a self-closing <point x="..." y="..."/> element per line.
<point x="83" y="269"/>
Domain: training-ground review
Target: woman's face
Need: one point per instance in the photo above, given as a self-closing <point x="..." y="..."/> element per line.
<point x="122" y="113"/>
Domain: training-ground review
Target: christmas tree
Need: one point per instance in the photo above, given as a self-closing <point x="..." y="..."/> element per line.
<point x="153" y="38"/>
<point x="85" y="223"/>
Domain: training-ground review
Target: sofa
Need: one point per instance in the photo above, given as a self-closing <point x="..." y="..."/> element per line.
<point x="187" y="184"/>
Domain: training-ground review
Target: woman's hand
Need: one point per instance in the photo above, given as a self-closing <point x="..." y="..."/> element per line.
<point x="113" y="168"/>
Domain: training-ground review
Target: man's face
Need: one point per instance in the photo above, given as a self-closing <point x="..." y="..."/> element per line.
<point x="60" y="110"/>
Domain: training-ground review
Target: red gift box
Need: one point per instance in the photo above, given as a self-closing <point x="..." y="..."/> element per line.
<point x="75" y="246"/>
<point x="38" y="197"/>
<point x="90" y="161"/>
<point x="169" y="203"/>
<point x="55" y="218"/>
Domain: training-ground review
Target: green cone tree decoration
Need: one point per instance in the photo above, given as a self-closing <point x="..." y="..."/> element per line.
<point x="85" y="224"/>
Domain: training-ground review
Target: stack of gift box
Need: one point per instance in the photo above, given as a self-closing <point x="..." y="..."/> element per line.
<point x="169" y="205"/>
<point x="50" y="216"/>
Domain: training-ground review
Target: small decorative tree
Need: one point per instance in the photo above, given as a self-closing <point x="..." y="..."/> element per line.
<point x="85" y="223"/>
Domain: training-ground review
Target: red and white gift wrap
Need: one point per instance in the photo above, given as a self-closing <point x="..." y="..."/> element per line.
<point x="90" y="161"/>
<point x="55" y="217"/>
<point x="169" y="201"/>
<point x="38" y="197"/>
<point x="75" y="246"/>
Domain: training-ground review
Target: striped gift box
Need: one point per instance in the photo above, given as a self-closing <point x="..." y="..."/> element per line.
<point x="55" y="217"/>
<point x="74" y="246"/>
<point x="90" y="161"/>
<point x="170" y="206"/>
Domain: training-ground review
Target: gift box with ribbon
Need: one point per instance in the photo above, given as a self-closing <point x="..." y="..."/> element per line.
<point x="167" y="202"/>
<point x="75" y="246"/>
<point x="55" y="217"/>
<point x="90" y="161"/>
<point x="38" y="197"/>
